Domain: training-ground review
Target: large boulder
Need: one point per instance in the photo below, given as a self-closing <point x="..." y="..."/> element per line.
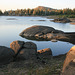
<point x="70" y="69"/>
<point x="45" y="53"/>
<point x="25" y="50"/>
<point x="37" y="31"/>
<point x="69" y="61"/>
<point x="16" y="45"/>
<point x="41" y="33"/>
<point x="6" y="55"/>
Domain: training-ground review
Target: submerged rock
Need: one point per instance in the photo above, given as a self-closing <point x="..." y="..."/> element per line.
<point x="69" y="63"/>
<point x="11" y="19"/>
<point x="6" y="55"/>
<point x="38" y="20"/>
<point x="61" y="20"/>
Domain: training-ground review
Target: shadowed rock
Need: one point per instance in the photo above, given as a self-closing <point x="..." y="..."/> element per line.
<point x="45" y="53"/>
<point x="6" y="55"/>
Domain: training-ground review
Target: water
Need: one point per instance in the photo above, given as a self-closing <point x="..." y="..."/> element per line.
<point x="10" y="29"/>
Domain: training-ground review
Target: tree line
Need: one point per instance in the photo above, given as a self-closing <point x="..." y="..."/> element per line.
<point x="38" y="12"/>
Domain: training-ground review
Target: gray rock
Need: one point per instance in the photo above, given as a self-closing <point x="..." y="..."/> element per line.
<point x="30" y="45"/>
<point x="6" y="55"/>
<point x="41" y="30"/>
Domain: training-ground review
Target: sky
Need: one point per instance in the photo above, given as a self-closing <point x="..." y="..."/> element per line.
<point x="22" y="4"/>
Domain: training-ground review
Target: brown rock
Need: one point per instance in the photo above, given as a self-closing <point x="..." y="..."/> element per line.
<point x="45" y="53"/>
<point x="69" y="58"/>
<point x="61" y="20"/>
<point x="6" y="55"/>
<point x="16" y="45"/>
<point x="70" y="68"/>
<point x="24" y="49"/>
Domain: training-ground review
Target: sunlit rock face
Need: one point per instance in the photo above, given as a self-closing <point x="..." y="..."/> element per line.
<point x="23" y="49"/>
<point x="44" y="53"/>
<point x="69" y="63"/>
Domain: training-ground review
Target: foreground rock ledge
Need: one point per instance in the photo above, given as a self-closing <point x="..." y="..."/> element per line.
<point x="69" y="63"/>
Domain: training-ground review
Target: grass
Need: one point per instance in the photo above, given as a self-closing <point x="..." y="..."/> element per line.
<point x="53" y="66"/>
<point x="66" y="16"/>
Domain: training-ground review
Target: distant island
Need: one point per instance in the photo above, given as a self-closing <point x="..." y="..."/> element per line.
<point x="40" y="11"/>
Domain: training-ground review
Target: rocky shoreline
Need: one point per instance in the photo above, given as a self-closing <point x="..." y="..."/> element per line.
<point x="24" y="58"/>
<point x="24" y="55"/>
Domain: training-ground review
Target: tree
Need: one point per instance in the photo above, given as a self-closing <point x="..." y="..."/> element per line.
<point x="1" y="12"/>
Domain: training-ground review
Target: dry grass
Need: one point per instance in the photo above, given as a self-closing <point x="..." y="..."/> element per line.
<point x="52" y="66"/>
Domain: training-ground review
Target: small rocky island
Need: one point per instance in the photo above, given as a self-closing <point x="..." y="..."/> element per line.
<point x="61" y="20"/>
<point x="47" y="33"/>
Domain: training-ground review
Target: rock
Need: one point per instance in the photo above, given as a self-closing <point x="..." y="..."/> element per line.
<point x="24" y="50"/>
<point x="42" y="33"/>
<point x="27" y="53"/>
<point x="38" y="20"/>
<point x="29" y="50"/>
<point x="16" y="45"/>
<point x="61" y="20"/>
<point x="32" y="31"/>
<point x="53" y="40"/>
<point x="70" y="69"/>
<point x="11" y="19"/>
<point x="38" y="31"/>
<point x="30" y="45"/>
<point x="45" y="53"/>
<point x="6" y="55"/>
<point x="70" y="57"/>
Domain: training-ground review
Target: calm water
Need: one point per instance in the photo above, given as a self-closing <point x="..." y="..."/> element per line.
<point x="10" y="29"/>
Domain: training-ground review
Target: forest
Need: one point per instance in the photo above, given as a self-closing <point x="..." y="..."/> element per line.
<point x="40" y="12"/>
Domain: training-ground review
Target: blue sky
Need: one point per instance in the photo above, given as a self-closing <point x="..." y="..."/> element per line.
<point x="21" y="4"/>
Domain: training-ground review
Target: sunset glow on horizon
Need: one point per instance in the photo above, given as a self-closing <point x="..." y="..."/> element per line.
<point x="22" y="4"/>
